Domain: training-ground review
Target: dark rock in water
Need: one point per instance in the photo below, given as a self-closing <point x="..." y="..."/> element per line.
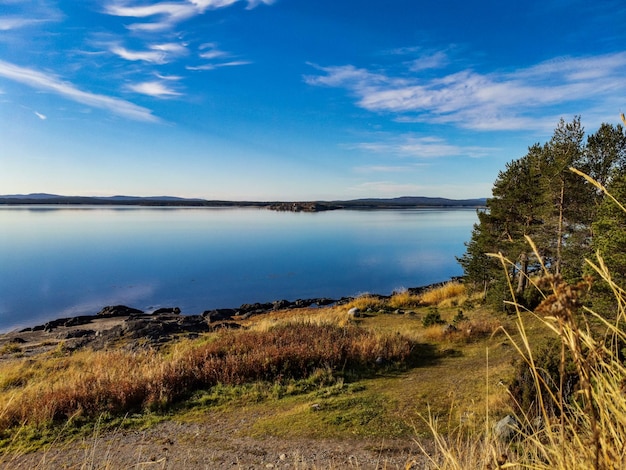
<point x="324" y="301"/>
<point x="219" y="314"/>
<point x="174" y="310"/>
<point x="118" y="311"/>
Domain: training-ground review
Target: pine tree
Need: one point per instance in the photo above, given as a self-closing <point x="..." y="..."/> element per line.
<point x="515" y="210"/>
<point x="567" y="196"/>
<point x="539" y="197"/>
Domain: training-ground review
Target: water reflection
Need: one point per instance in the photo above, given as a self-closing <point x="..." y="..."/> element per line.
<point x="70" y="261"/>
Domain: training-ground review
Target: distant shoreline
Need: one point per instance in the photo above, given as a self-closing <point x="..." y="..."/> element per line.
<point x="290" y="206"/>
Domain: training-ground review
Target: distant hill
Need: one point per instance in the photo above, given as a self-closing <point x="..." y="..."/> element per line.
<point x="298" y="206"/>
<point x="416" y="201"/>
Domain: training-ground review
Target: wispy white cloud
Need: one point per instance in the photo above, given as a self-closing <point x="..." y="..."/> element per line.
<point x="16" y="22"/>
<point x="216" y="57"/>
<point x="168" y="77"/>
<point x="435" y="60"/>
<point x="234" y="63"/>
<point x="492" y="101"/>
<point x="255" y="3"/>
<point x="155" y="57"/>
<point x="157" y="89"/>
<point x="204" y="4"/>
<point x="43" y="117"/>
<point x="46" y="82"/>
<point x="386" y="188"/>
<point x="156" y="53"/>
<point x="166" y="15"/>
<point x="421" y="147"/>
<point x="388" y="168"/>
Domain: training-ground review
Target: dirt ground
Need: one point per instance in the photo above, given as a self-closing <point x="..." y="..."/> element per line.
<point x="217" y="444"/>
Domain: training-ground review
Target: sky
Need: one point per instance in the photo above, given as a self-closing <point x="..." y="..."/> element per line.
<point x="295" y="99"/>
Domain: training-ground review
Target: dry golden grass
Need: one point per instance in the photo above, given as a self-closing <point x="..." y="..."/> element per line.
<point x="448" y="292"/>
<point x="365" y="302"/>
<point x="90" y="383"/>
<point x="463" y="332"/>
<point x="315" y="316"/>
<point x="404" y="299"/>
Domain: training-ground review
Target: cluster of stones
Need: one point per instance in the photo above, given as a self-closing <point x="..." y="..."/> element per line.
<point x="163" y="324"/>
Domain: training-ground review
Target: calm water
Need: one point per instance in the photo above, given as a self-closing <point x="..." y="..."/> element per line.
<point x="58" y="262"/>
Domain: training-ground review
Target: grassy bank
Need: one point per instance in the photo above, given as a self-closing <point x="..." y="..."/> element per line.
<point x="307" y="372"/>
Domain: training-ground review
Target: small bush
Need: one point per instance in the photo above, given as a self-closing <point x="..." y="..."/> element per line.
<point x="432" y="318"/>
<point x="459" y="317"/>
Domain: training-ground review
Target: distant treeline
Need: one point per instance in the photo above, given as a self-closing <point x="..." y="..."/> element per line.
<point x="301" y="206"/>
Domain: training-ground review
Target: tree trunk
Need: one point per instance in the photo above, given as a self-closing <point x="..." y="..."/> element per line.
<point x="522" y="274"/>
<point x="559" y="240"/>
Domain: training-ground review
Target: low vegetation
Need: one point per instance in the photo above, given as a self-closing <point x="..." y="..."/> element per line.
<point x="291" y="358"/>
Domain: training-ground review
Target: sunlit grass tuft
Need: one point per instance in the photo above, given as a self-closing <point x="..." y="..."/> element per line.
<point x="404" y="299"/>
<point x="451" y="291"/>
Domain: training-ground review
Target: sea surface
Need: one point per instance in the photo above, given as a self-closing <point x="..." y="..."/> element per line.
<point x="73" y="260"/>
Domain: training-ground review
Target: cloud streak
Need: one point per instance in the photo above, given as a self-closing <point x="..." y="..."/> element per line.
<point x="16" y="22"/>
<point x="479" y="101"/>
<point x="44" y="82"/>
<point x="157" y="89"/>
<point x="421" y="147"/>
<point x="166" y="15"/>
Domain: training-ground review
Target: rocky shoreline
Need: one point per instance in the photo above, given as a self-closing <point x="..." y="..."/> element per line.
<point x="133" y="328"/>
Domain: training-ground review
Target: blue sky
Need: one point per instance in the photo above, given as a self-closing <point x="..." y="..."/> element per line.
<point x="295" y="99"/>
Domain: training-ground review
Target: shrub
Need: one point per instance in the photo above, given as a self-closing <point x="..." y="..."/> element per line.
<point x="433" y="317"/>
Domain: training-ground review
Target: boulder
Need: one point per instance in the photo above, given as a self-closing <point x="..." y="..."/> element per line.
<point x="174" y="310"/>
<point x="281" y="304"/>
<point x="79" y="320"/>
<point x="256" y="308"/>
<point x="162" y="326"/>
<point x="506" y="429"/>
<point x="302" y="303"/>
<point x="118" y="311"/>
<point x="354" y="312"/>
<point x="77" y="334"/>
<point x="219" y="314"/>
